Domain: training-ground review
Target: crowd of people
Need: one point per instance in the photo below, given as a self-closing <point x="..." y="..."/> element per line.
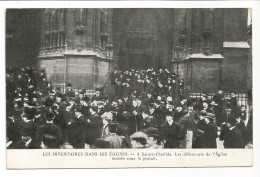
<point x="135" y="109"/>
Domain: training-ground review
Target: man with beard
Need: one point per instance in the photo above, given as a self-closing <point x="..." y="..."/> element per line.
<point x="170" y="107"/>
<point x="101" y="110"/>
<point x="172" y="133"/>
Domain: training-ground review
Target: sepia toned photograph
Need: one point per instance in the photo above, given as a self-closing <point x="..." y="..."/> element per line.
<point x="132" y="78"/>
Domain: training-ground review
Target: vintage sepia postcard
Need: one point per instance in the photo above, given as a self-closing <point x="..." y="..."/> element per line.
<point x="111" y="87"/>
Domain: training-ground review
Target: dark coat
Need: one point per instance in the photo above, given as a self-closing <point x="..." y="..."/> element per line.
<point x="241" y="126"/>
<point x="93" y="129"/>
<point x="172" y="134"/>
<point x="50" y="135"/>
<point x="233" y="139"/>
<point x="77" y="132"/>
<point x="210" y="135"/>
<point x="225" y="116"/>
<point x="159" y="116"/>
<point x="177" y="115"/>
<point x="198" y="139"/>
<point x="127" y="105"/>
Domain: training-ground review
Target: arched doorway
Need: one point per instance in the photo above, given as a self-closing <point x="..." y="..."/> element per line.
<point x="139" y="44"/>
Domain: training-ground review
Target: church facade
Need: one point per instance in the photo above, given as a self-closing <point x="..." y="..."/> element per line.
<point x="207" y="47"/>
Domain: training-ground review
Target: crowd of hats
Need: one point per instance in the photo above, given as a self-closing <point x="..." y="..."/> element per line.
<point x="30" y="95"/>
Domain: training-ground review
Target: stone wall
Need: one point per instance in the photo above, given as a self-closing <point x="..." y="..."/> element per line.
<point x="202" y="74"/>
<point x="234" y="71"/>
<point x="87" y="72"/>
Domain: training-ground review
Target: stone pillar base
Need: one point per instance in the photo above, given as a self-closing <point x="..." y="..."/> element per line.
<point x="85" y="69"/>
<point x="202" y="72"/>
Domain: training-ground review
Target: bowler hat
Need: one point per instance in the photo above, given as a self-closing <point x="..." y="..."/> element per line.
<point x="151" y="132"/>
<point x="232" y="121"/>
<point x="203" y="113"/>
<point x="49" y="115"/>
<point x="211" y="116"/>
<point x="27" y="131"/>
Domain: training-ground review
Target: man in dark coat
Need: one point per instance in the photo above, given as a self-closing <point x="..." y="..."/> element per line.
<point x="26" y="139"/>
<point x="198" y="142"/>
<point x="69" y="91"/>
<point x="76" y="137"/>
<point x="233" y="103"/>
<point x="159" y="116"/>
<point x="172" y="133"/>
<point x="94" y="126"/>
<point x="232" y="136"/>
<point x="241" y="126"/>
<point x="178" y="113"/>
<point x="225" y="116"/>
<point x="189" y="124"/>
<point x="210" y="132"/>
<point x="219" y="100"/>
<point x="68" y="115"/>
<point x="49" y="135"/>
<point x="242" y="112"/>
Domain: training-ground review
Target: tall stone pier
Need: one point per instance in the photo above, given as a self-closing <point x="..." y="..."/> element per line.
<point x="73" y="46"/>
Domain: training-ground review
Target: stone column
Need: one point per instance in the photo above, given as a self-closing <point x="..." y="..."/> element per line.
<point x="90" y="31"/>
<point x="70" y="37"/>
<point x="110" y="17"/>
<point x="97" y="29"/>
<point x="42" y="37"/>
